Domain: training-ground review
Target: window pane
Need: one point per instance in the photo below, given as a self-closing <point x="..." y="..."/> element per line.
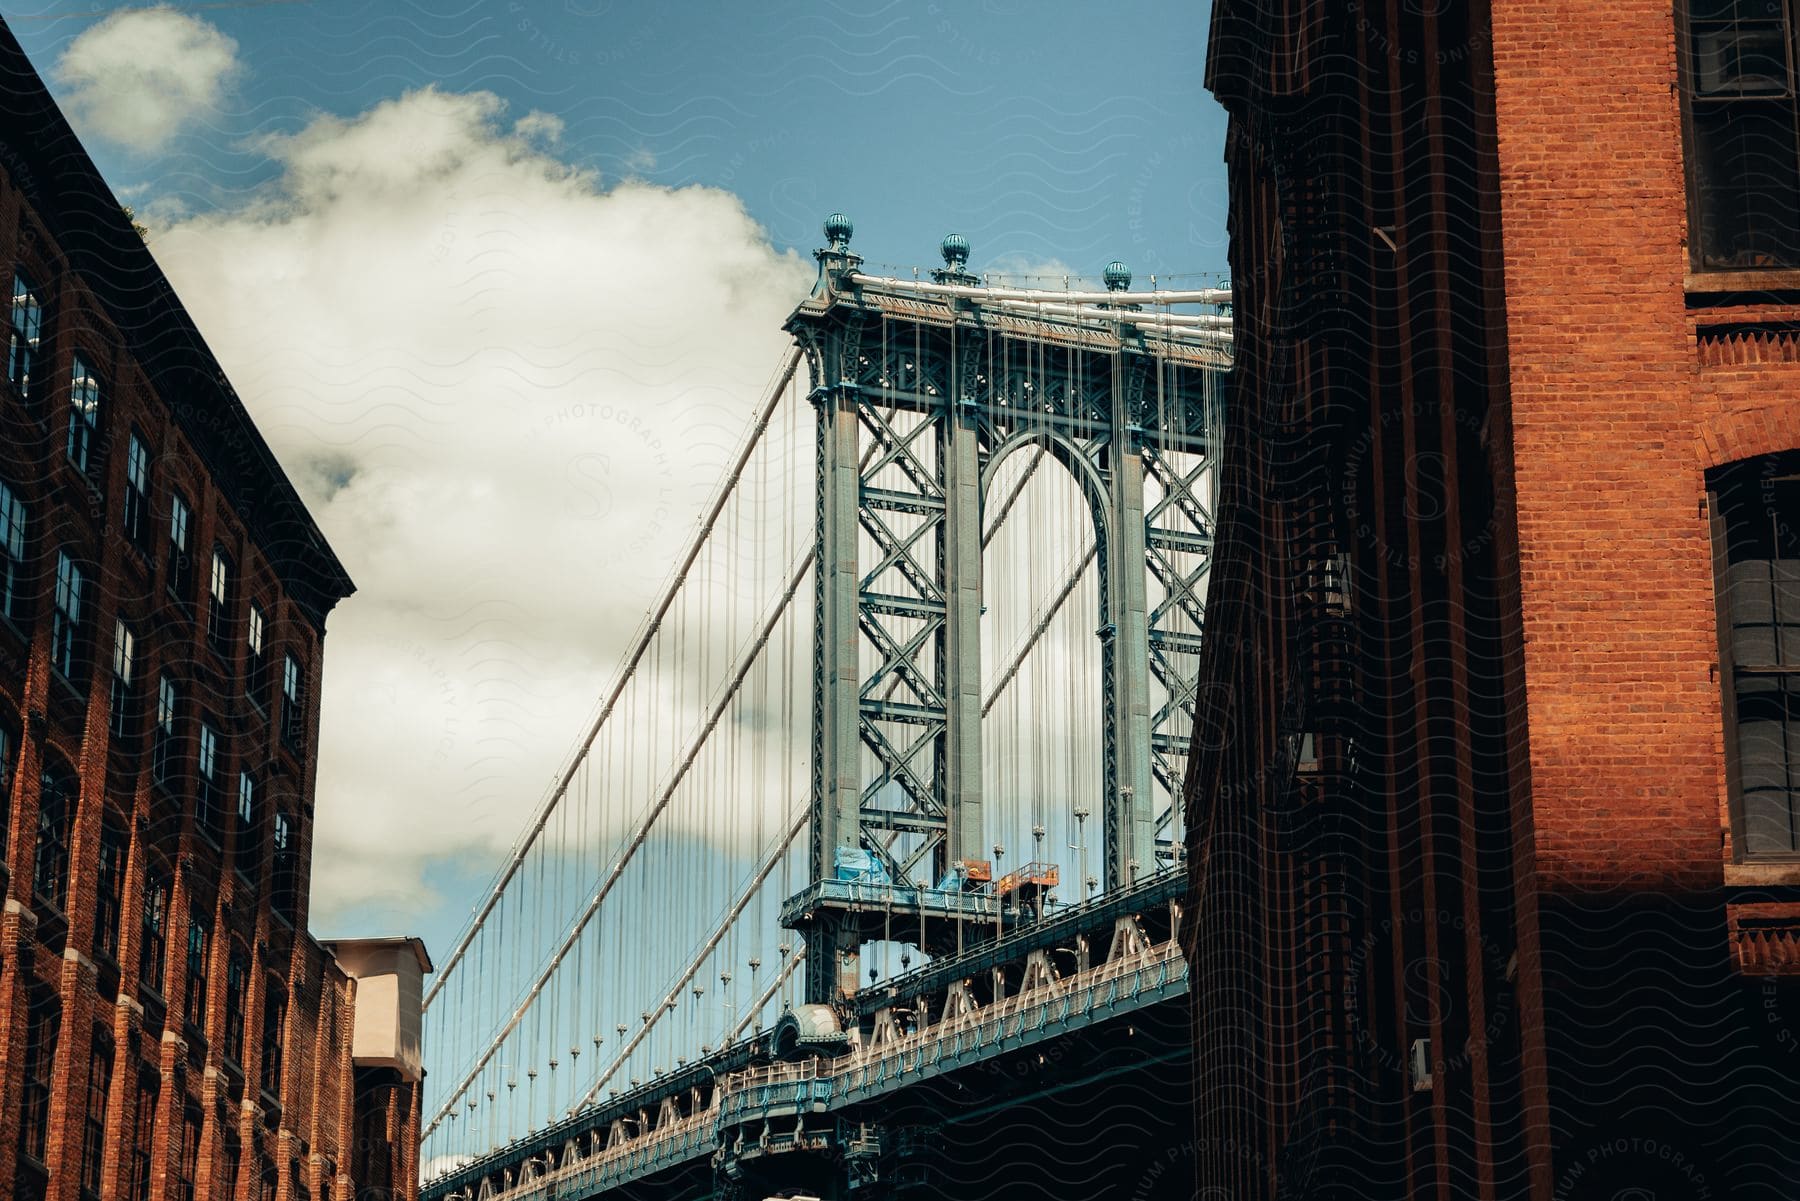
<point x="12" y="554"/>
<point x="84" y="410"/>
<point x="22" y="337"/>
<point x="1768" y="714"/>
<point x="1740" y="58"/>
<point x="1747" y="180"/>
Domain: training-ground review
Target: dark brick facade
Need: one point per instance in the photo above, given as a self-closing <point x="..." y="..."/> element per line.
<point x="1472" y="915"/>
<point x="168" y="1028"/>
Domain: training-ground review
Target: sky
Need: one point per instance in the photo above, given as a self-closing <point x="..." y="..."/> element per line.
<point x="502" y="281"/>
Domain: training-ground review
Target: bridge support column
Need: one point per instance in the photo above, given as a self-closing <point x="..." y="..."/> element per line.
<point x="961" y="673"/>
<point x="836" y="752"/>
<point x="1130" y="823"/>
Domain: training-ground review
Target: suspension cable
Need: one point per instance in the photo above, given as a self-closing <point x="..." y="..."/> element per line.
<point x="646" y="632"/>
<point x="639" y="835"/>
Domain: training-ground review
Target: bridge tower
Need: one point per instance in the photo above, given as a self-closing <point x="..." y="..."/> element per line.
<point x="921" y="391"/>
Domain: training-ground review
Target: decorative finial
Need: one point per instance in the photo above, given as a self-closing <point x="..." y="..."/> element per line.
<point x="838" y="229"/>
<point x="955" y="249"/>
<point x="1118" y="276"/>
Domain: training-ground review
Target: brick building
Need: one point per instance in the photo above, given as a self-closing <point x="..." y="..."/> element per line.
<point x="1496" y="796"/>
<point x="168" y="1029"/>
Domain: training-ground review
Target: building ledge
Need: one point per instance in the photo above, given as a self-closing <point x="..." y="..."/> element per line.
<point x="1764" y="938"/>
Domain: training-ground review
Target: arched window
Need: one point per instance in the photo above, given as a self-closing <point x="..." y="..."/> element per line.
<point x="1756" y="551"/>
<point x="56" y="821"/>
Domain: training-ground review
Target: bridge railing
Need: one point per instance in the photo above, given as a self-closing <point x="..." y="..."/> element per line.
<point x="752" y="1093"/>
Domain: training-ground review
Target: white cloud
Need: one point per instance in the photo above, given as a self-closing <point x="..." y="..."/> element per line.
<point x="503" y="389"/>
<point x="142" y="75"/>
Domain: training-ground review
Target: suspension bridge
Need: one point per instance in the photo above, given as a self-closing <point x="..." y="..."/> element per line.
<point x="866" y="876"/>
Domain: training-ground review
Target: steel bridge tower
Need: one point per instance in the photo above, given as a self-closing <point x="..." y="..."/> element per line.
<point x="921" y="391"/>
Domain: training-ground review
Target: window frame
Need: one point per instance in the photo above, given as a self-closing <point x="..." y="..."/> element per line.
<point x="218" y="602"/>
<point x="274" y="1038"/>
<point x="55" y="833"/>
<point x="43" y="1031"/>
<point x="122" y="695"/>
<point x="293" y="704"/>
<point x="109" y="895"/>
<point x="14" y="554"/>
<point x="134" y="518"/>
<point x="17" y="334"/>
<point x="67" y="645"/>
<point x="1690" y="98"/>
<point x="1732" y="664"/>
<point x="85" y="394"/>
<point x="165" y="751"/>
<point x="198" y="961"/>
<point x="99" y="1098"/>
<point x="154" y="933"/>
<point x="179" y="572"/>
<point x="208" y="820"/>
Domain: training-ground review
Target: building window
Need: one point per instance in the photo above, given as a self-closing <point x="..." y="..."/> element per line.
<point x="265" y="1188"/>
<point x="156" y="932"/>
<point x="256" y="671"/>
<point x="109" y="904"/>
<point x="65" y="628"/>
<point x="246" y="850"/>
<point x="199" y="947"/>
<point x="164" y="755"/>
<point x="12" y="555"/>
<point x="206" y="783"/>
<point x="56" y="818"/>
<point x="181" y="534"/>
<point x="1742" y="126"/>
<point x="297" y="1190"/>
<point x="274" y="1014"/>
<point x="237" y="983"/>
<point x="293" y="711"/>
<point x="246" y="808"/>
<point x="137" y="492"/>
<point x="143" y="1138"/>
<point x="24" y="333"/>
<point x="233" y="1164"/>
<point x="84" y="412"/>
<point x="234" y="1157"/>
<point x="1756" y="546"/>
<point x="124" y="696"/>
<point x="41" y="1028"/>
<point x="188" y="1160"/>
<point x="93" y="1141"/>
<point x="282" y="899"/>
<point x="218" y="610"/>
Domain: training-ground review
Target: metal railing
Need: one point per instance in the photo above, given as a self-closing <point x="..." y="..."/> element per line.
<point x="744" y="1095"/>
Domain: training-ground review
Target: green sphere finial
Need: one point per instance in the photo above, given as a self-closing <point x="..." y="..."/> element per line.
<point x="1118" y="276"/>
<point x="838" y="229"/>
<point x="955" y="249"/>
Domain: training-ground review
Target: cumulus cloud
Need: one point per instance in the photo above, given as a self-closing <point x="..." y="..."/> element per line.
<point x="142" y="75"/>
<point x="503" y="386"/>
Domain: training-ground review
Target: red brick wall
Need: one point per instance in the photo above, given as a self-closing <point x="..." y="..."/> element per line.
<point x="308" y="1120"/>
<point x="1607" y="403"/>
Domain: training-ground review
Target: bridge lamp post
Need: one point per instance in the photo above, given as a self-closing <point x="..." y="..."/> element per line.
<point x="1080" y="847"/>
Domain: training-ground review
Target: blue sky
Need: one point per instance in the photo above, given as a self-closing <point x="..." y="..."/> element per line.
<point x="1056" y="132"/>
<point x="432" y="244"/>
